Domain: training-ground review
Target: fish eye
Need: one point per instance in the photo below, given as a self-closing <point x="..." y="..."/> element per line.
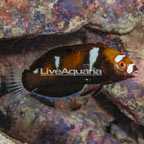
<point x="121" y="65"/>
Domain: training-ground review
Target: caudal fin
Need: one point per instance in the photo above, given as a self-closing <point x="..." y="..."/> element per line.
<point x="14" y="85"/>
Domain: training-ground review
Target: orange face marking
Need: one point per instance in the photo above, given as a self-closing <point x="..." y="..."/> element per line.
<point x="74" y="60"/>
<point x="127" y="60"/>
<point x="110" y="54"/>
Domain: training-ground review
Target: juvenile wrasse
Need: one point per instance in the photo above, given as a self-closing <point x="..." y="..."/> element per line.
<point x="63" y="71"/>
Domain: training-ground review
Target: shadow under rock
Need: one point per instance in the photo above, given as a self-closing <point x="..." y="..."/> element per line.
<point x="121" y="120"/>
<point x="36" y="43"/>
<point x="5" y="121"/>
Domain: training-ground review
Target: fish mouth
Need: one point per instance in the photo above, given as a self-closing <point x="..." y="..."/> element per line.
<point x="135" y="72"/>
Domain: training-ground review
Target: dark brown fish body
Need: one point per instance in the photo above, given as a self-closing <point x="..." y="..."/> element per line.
<point x="109" y="65"/>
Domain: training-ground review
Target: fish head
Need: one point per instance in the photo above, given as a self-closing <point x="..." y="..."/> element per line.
<point x="117" y="66"/>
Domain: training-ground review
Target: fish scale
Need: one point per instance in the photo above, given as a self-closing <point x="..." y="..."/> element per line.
<point x="63" y="71"/>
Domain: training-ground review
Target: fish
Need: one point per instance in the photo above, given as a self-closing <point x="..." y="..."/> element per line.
<point x="63" y="71"/>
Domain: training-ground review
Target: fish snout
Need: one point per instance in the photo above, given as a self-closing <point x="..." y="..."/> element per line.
<point x="135" y="71"/>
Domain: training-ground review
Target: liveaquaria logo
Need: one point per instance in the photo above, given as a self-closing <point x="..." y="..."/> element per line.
<point x="70" y="72"/>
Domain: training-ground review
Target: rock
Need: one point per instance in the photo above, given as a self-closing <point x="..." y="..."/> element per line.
<point x="23" y="17"/>
<point x="30" y="120"/>
<point x="34" y="122"/>
<point x="123" y="133"/>
<point x="116" y="16"/>
<point x="84" y="119"/>
<point x="99" y="110"/>
<point x="5" y="139"/>
<point x="128" y="94"/>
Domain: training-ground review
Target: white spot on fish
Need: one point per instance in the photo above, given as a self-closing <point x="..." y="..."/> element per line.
<point x="119" y="58"/>
<point x="93" y="57"/>
<point x="57" y="61"/>
<point x="35" y="71"/>
<point x="130" y="68"/>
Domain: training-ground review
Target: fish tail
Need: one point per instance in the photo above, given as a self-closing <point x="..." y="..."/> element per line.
<point x="14" y="84"/>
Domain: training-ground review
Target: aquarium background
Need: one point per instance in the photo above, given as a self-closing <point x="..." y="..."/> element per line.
<point x="114" y="115"/>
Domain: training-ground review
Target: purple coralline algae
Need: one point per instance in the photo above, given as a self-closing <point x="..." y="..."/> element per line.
<point x="23" y="17"/>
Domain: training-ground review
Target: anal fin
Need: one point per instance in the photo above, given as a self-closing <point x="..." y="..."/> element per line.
<point x="50" y="97"/>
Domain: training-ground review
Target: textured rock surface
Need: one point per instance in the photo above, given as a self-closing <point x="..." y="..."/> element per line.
<point x="129" y="94"/>
<point x="33" y="122"/>
<point x="116" y="16"/>
<point x="23" y="17"/>
<point x="4" y="139"/>
<point x="26" y="118"/>
<point x="82" y="119"/>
